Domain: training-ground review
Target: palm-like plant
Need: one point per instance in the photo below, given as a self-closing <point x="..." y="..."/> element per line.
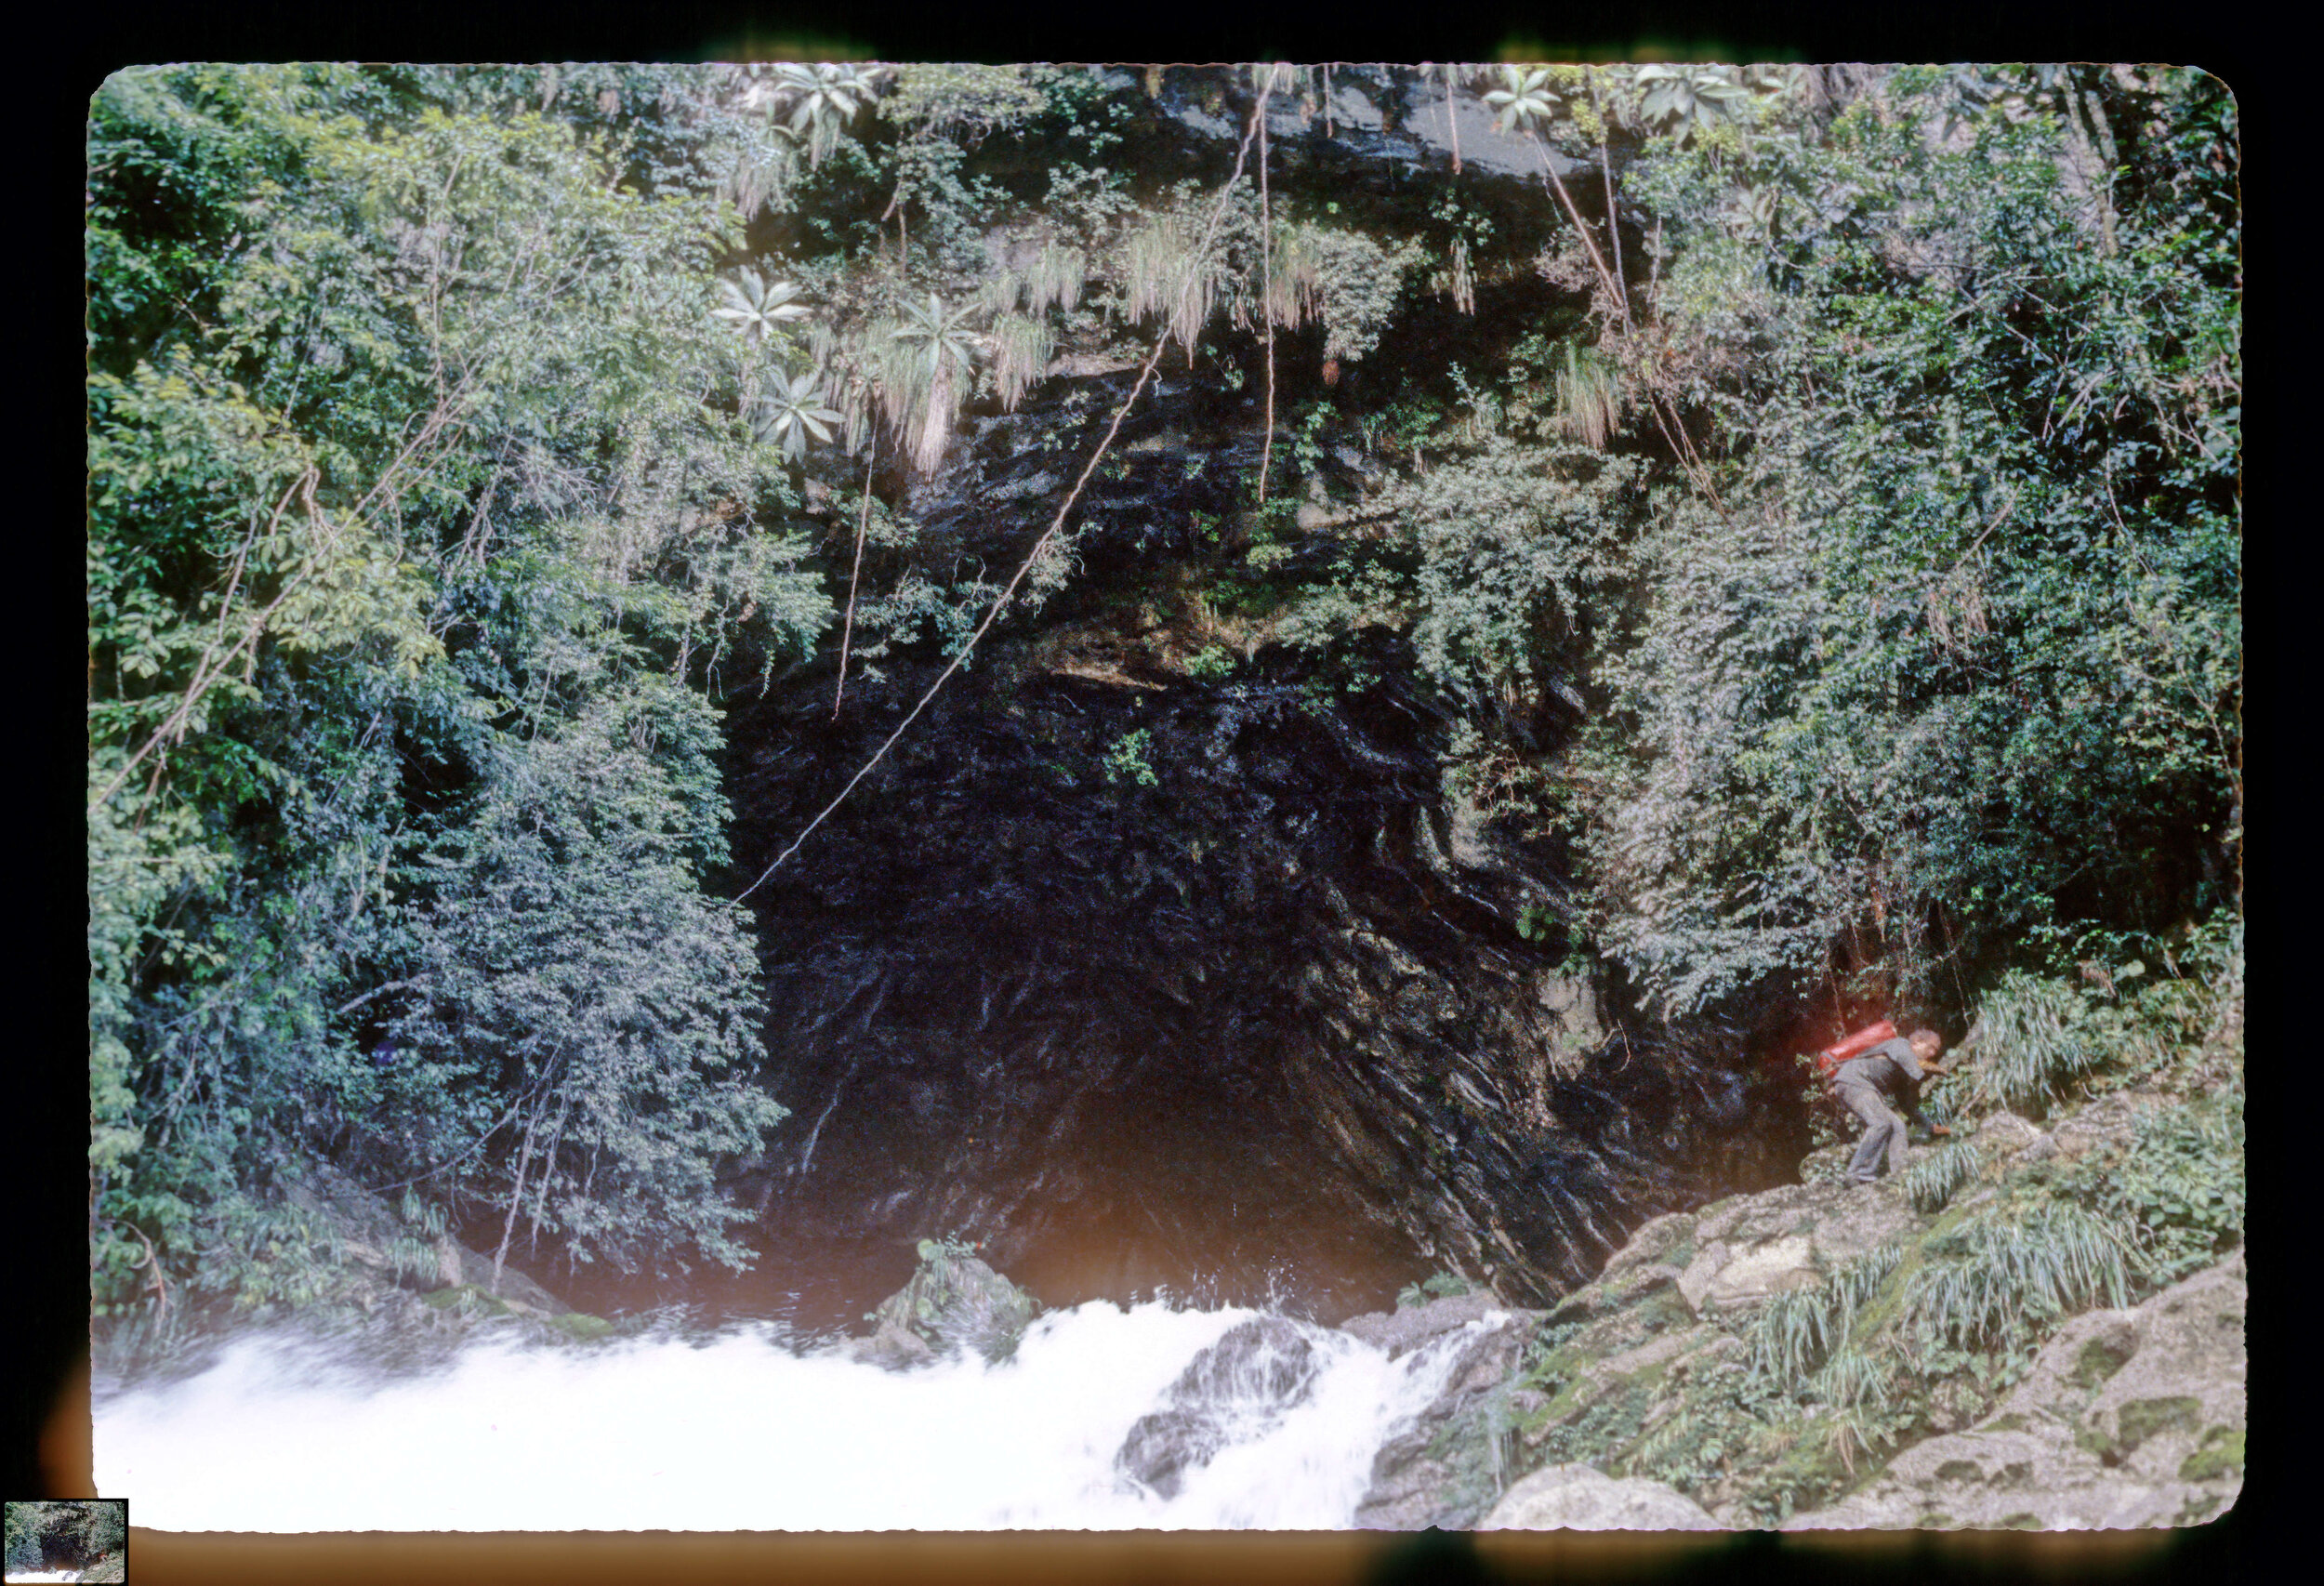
<point x="942" y="338"/>
<point x="939" y="358"/>
<point x="791" y="412"/>
<point x="755" y="306"/>
<point x="1524" y="102"/>
<point x="1689" y="99"/>
<point x="817" y="101"/>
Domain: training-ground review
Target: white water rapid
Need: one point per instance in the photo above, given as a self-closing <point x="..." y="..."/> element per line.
<point x="746" y="1433"/>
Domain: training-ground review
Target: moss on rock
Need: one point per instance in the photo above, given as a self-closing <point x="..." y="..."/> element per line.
<point x="2099" y="1359"/>
<point x="2142" y="1418"/>
<point x="2220" y="1454"/>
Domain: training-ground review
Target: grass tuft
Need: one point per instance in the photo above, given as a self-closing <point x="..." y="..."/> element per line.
<point x="1937" y="1177"/>
<point x="1797" y="1331"/>
<point x="2036" y="1043"/>
<point x="1995" y="1279"/>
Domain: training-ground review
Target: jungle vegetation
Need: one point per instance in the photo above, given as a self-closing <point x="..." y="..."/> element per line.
<point x="463" y="442"/>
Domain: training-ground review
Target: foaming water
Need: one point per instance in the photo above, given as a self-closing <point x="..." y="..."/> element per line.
<point x="745" y="1430"/>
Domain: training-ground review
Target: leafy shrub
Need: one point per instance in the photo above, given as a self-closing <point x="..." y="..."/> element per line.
<point x="1695" y="1443"/>
<point x="1127" y="762"/>
<point x="1887" y="698"/>
<point x="1212" y="661"/>
<point x="1438" y="1286"/>
<point x="24" y="1538"/>
<point x="2180" y="1185"/>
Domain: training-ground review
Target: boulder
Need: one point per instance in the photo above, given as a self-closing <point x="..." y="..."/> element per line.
<point x="954" y="1301"/>
<point x="2106" y="1124"/>
<point x="365" y="1228"/>
<point x="893" y="1348"/>
<point x="1238" y="1387"/>
<point x="514" y="1290"/>
<point x="2008" y="1133"/>
<point x="1653" y="1240"/>
<point x="1617" y="1293"/>
<point x="2126" y="1419"/>
<point x="1576" y="1498"/>
<point x="1723" y="1274"/>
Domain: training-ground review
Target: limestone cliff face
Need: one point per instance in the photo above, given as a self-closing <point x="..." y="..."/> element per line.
<point x="1156" y="953"/>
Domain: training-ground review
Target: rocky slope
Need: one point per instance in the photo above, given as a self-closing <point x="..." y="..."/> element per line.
<point x="2124" y="1416"/>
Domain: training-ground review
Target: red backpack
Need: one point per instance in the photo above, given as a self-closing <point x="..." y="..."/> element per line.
<point x="1827" y="1060"/>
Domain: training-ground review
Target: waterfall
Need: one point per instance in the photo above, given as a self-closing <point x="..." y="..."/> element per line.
<point x="750" y="1430"/>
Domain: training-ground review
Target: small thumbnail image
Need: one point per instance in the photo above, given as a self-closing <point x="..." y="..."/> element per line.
<point x="68" y="1539"/>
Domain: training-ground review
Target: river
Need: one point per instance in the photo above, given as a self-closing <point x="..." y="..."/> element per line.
<point x="746" y="1428"/>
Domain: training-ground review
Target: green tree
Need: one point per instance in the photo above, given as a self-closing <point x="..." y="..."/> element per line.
<point x="1953" y="652"/>
<point x="411" y="450"/>
<point x="575" y="985"/>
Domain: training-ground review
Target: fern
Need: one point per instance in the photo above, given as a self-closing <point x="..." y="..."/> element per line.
<point x="412" y="1250"/>
<point x="1437" y="1286"/>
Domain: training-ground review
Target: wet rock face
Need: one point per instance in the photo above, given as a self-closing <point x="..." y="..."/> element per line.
<point x="1147" y="985"/>
<point x="1445" y="1466"/>
<point x="1236" y="1389"/>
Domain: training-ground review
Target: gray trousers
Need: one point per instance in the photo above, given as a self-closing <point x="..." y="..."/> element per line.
<point x="1883" y="1130"/>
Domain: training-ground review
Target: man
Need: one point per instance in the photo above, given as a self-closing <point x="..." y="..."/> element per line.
<point x="1869" y="1082"/>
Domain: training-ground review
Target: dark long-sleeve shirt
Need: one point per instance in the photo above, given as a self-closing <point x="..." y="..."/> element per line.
<point x="1893" y="1069"/>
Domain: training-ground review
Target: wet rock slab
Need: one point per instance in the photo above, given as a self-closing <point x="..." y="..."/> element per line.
<point x="1401" y="1332"/>
<point x="1443" y="1468"/>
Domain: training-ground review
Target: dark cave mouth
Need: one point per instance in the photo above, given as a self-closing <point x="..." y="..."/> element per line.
<point x="1095" y="1023"/>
